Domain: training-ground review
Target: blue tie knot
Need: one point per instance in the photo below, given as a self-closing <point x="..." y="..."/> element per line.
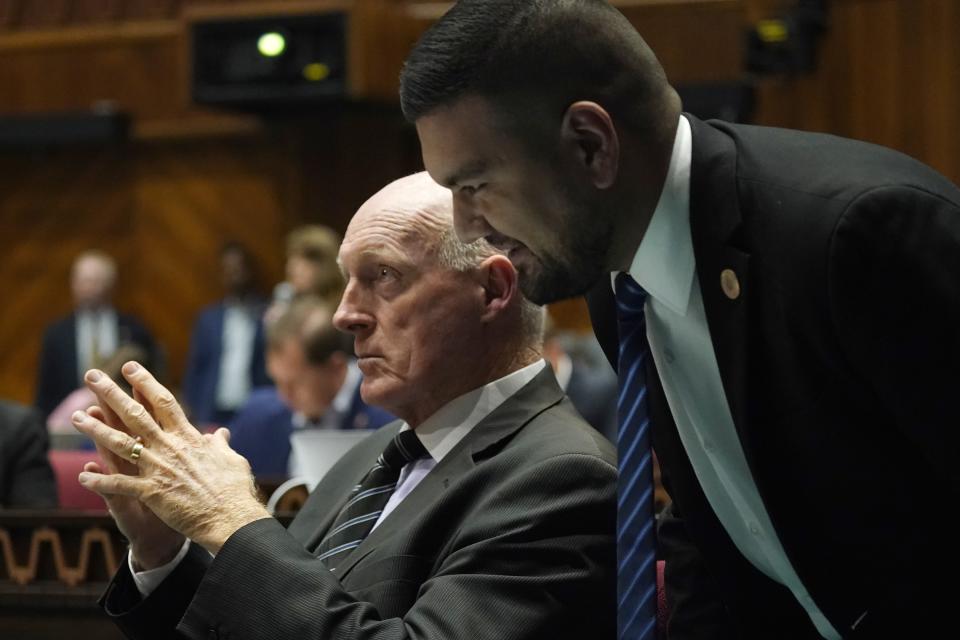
<point x="630" y="295"/>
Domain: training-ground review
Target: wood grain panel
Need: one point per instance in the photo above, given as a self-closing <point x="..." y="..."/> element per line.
<point x="189" y="201"/>
<point x="696" y="41"/>
<point x="889" y="73"/>
<point x="162" y="211"/>
<point x="54" y="206"/>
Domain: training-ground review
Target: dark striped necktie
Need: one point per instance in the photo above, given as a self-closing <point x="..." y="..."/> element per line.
<point x="367" y="500"/>
<point x="636" y="538"/>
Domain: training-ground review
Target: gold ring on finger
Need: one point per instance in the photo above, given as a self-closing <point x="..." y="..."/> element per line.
<point x="135" y="451"/>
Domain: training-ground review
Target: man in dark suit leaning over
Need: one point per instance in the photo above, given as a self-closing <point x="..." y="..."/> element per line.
<point x="500" y="524"/>
<point x="801" y="295"/>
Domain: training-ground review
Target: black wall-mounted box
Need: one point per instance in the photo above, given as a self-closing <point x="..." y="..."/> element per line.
<point x="270" y="63"/>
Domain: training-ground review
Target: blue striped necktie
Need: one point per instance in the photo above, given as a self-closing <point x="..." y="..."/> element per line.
<point x="367" y="500"/>
<point x="636" y="564"/>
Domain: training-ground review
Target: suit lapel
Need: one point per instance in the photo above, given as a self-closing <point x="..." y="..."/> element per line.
<point x="325" y="502"/>
<point x="539" y="394"/>
<point x="714" y="221"/>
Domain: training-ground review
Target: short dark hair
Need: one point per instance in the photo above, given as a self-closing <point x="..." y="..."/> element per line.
<point x="309" y="319"/>
<point x="544" y="54"/>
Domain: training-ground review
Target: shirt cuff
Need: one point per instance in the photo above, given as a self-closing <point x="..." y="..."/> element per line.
<point x="150" y="579"/>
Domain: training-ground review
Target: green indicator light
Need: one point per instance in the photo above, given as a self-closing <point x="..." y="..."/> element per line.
<point x="271" y="44"/>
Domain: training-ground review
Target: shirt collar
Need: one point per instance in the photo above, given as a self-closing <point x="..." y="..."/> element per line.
<point x="442" y="431"/>
<point x="664" y="264"/>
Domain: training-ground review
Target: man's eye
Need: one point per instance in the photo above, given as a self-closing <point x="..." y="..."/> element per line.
<point x="386" y="273"/>
<point x="470" y="190"/>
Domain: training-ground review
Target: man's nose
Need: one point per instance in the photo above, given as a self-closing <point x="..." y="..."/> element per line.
<point x="469" y="223"/>
<point x="349" y="317"/>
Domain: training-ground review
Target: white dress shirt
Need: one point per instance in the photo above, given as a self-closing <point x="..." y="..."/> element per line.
<point x="236" y="354"/>
<point x="96" y="330"/>
<point x="679" y="337"/>
<point x="439" y="433"/>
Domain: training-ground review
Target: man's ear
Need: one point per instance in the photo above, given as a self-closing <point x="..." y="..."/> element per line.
<point x="498" y="278"/>
<point x="588" y="133"/>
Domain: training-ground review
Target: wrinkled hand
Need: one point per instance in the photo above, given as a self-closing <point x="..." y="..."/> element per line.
<point x="152" y="542"/>
<point x="196" y="484"/>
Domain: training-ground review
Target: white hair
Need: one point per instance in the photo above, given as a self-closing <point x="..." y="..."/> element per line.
<point x="453" y="254"/>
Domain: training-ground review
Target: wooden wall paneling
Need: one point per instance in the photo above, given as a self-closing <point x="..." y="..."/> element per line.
<point x="84" y="11"/>
<point x="162" y="210"/>
<point x="930" y="69"/>
<point x="9" y="13"/>
<point x="888" y="73"/>
<point x="44" y="13"/>
<point x="191" y="198"/>
<point x="696" y="41"/>
<point x="150" y="9"/>
<point x="348" y="155"/>
<point x="382" y="33"/>
<point x="53" y="207"/>
<point x="135" y="68"/>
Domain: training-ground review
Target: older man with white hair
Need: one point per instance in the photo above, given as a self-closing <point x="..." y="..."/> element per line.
<point x="89" y="335"/>
<point x="485" y="512"/>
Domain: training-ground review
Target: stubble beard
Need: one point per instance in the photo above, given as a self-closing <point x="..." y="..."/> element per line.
<point x="573" y="274"/>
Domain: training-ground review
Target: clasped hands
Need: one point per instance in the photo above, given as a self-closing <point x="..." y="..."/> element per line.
<point x="163" y="479"/>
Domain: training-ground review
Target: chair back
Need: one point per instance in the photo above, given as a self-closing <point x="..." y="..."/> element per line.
<point x="67" y="465"/>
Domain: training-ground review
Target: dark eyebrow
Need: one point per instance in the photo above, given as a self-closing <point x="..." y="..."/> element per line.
<point x="468" y="172"/>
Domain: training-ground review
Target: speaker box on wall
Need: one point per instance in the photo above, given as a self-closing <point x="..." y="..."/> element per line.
<point x="270" y="63"/>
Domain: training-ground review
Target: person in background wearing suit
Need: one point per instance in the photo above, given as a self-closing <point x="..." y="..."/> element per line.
<point x="801" y="304"/>
<point x="485" y="512"/>
<point x="226" y="349"/>
<point x="317" y="387"/>
<point x="89" y="335"/>
<point x="26" y="479"/>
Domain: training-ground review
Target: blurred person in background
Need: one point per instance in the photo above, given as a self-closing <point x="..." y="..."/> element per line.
<point x="312" y="265"/>
<point x="317" y="387"/>
<point x="89" y="335"/>
<point x="590" y="384"/>
<point x="59" y="423"/>
<point x="26" y="479"/>
<point x="226" y="358"/>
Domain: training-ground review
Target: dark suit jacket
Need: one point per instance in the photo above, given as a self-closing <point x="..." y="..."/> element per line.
<point x="509" y="537"/>
<point x="203" y="363"/>
<point x="58" y="375"/>
<point x="261" y="430"/>
<point x="839" y="362"/>
<point x="26" y="479"/>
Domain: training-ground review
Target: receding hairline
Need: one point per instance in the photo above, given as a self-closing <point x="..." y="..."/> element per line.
<point x="415" y="207"/>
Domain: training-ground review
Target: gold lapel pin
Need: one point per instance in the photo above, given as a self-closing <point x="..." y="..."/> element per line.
<point x="730" y="284"/>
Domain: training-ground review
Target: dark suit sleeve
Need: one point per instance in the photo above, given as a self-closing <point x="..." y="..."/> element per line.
<point x="156" y="616"/>
<point x="30" y="480"/>
<point x="542" y="538"/>
<point x="895" y="302"/>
